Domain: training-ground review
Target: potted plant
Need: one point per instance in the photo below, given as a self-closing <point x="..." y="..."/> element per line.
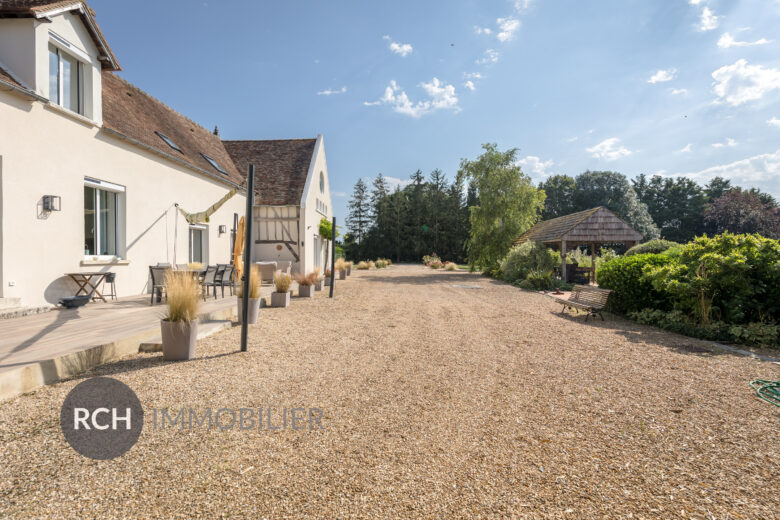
<point x="327" y="277"/>
<point x="306" y="284"/>
<point x="341" y="267"/>
<point x="254" y="296"/>
<point x="362" y="265"/>
<point x="317" y="279"/>
<point x="179" y="327"/>
<point x="349" y="268"/>
<point x="281" y="295"/>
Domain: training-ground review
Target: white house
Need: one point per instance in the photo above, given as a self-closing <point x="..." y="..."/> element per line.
<point x="92" y="168"/>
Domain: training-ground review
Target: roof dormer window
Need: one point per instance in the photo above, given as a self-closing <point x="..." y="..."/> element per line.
<point x="214" y="163"/>
<point x="168" y="141"/>
<point x="66" y="81"/>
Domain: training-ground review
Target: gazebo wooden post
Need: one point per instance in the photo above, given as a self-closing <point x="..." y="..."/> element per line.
<point x="563" y="260"/>
<point x="592" y="262"/>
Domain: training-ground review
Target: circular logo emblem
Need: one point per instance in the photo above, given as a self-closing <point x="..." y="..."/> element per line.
<point x="101" y="418"/>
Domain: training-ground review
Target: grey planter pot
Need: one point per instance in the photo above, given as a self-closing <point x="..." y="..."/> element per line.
<point x="343" y="275"/>
<point x="318" y="285"/>
<point x="252" y="312"/>
<point x="179" y="339"/>
<point x="280" y="299"/>
<point x="349" y="270"/>
<point x="327" y="281"/>
<point x="306" y="291"/>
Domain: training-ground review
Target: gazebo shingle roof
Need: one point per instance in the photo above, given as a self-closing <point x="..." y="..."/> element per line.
<point x="598" y="225"/>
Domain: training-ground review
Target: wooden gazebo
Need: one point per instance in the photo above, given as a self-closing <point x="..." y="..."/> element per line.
<point x="592" y="228"/>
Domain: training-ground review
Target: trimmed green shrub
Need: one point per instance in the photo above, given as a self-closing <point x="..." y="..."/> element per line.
<point x="656" y="246"/>
<point x="731" y="278"/>
<point x="625" y="275"/>
<point x="527" y="257"/>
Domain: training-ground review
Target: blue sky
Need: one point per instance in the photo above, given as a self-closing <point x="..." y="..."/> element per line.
<point x="669" y="86"/>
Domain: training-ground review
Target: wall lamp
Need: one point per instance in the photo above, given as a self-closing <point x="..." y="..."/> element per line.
<point x="222" y="229"/>
<point x="52" y="203"/>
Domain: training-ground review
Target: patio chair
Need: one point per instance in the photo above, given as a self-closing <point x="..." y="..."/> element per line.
<point x="208" y="281"/>
<point x="225" y="279"/>
<point x="163" y="264"/>
<point x="284" y="266"/>
<point x="157" y="274"/>
<point x="110" y="279"/>
<point x="182" y="267"/>
<point x="267" y="271"/>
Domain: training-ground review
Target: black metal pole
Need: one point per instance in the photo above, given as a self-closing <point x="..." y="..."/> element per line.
<point x="333" y="257"/>
<point x="250" y="202"/>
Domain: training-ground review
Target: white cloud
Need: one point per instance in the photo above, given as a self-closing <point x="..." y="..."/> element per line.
<point x="338" y="193"/>
<point x="695" y="2"/>
<point x="679" y="91"/>
<point x="507" y="27"/>
<point x="491" y="56"/>
<point x="535" y="167"/>
<point x="727" y="40"/>
<point x="728" y="142"/>
<point x="572" y="139"/>
<point x="403" y="49"/>
<point x="662" y="76"/>
<point x="773" y="122"/>
<point x="609" y="150"/>
<point x="686" y="149"/>
<point x="330" y="92"/>
<point x="760" y="169"/>
<point x="394" y="182"/>
<point x="708" y="20"/>
<point x="522" y="5"/>
<point x="470" y="85"/>
<point x="441" y="96"/>
<point x="739" y="83"/>
<point x="482" y="30"/>
<point x="472" y="75"/>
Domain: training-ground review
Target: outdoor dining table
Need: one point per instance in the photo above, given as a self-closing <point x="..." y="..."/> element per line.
<point x="88" y="284"/>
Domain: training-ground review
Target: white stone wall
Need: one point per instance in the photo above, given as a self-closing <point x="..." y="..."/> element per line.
<point x="47" y="152"/>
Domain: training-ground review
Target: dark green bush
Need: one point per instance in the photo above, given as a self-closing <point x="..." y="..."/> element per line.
<point x="756" y="334"/>
<point x="632" y="291"/>
<point x="730" y="278"/>
<point x="656" y="246"/>
<point x="537" y="280"/>
<point x="525" y="258"/>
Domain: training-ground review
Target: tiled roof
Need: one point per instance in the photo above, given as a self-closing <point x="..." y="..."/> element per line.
<point x="597" y="225"/>
<point x="281" y="167"/>
<point x="7" y="78"/>
<point x="131" y="112"/>
<point x="36" y="8"/>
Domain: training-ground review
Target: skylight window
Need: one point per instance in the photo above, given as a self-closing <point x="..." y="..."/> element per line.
<point x="168" y="141"/>
<point x="214" y="163"/>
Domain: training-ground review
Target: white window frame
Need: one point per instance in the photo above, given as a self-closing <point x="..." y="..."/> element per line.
<point x="204" y="243"/>
<point x="119" y="217"/>
<point x="62" y="46"/>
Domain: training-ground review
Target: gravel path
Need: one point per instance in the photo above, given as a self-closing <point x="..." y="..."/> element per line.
<point x="438" y="401"/>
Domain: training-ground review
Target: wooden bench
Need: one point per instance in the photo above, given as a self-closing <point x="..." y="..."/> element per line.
<point x="590" y="299"/>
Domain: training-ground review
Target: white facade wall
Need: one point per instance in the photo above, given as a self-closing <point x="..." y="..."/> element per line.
<point x="17" y="49"/>
<point x="311" y="213"/>
<point x="44" y="151"/>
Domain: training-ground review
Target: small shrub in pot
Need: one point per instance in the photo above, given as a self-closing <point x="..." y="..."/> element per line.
<point x="254" y="296"/>
<point x="179" y="327"/>
<point x="281" y="295"/>
<point x="306" y="284"/>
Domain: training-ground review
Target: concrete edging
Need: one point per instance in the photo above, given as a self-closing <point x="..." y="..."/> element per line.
<point x="46" y="372"/>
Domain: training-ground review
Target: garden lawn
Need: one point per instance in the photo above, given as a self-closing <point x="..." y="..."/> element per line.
<point x="438" y="400"/>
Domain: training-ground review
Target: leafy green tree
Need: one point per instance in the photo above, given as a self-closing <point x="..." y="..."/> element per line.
<point x="675" y="205"/>
<point x="559" y="193"/>
<point x="613" y="191"/>
<point x="716" y="188"/>
<point x="509" y="204"/>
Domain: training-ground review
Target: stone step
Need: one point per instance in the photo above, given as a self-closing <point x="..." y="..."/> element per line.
<point x="18" y="312"/>
<point x="205" y="329"/>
